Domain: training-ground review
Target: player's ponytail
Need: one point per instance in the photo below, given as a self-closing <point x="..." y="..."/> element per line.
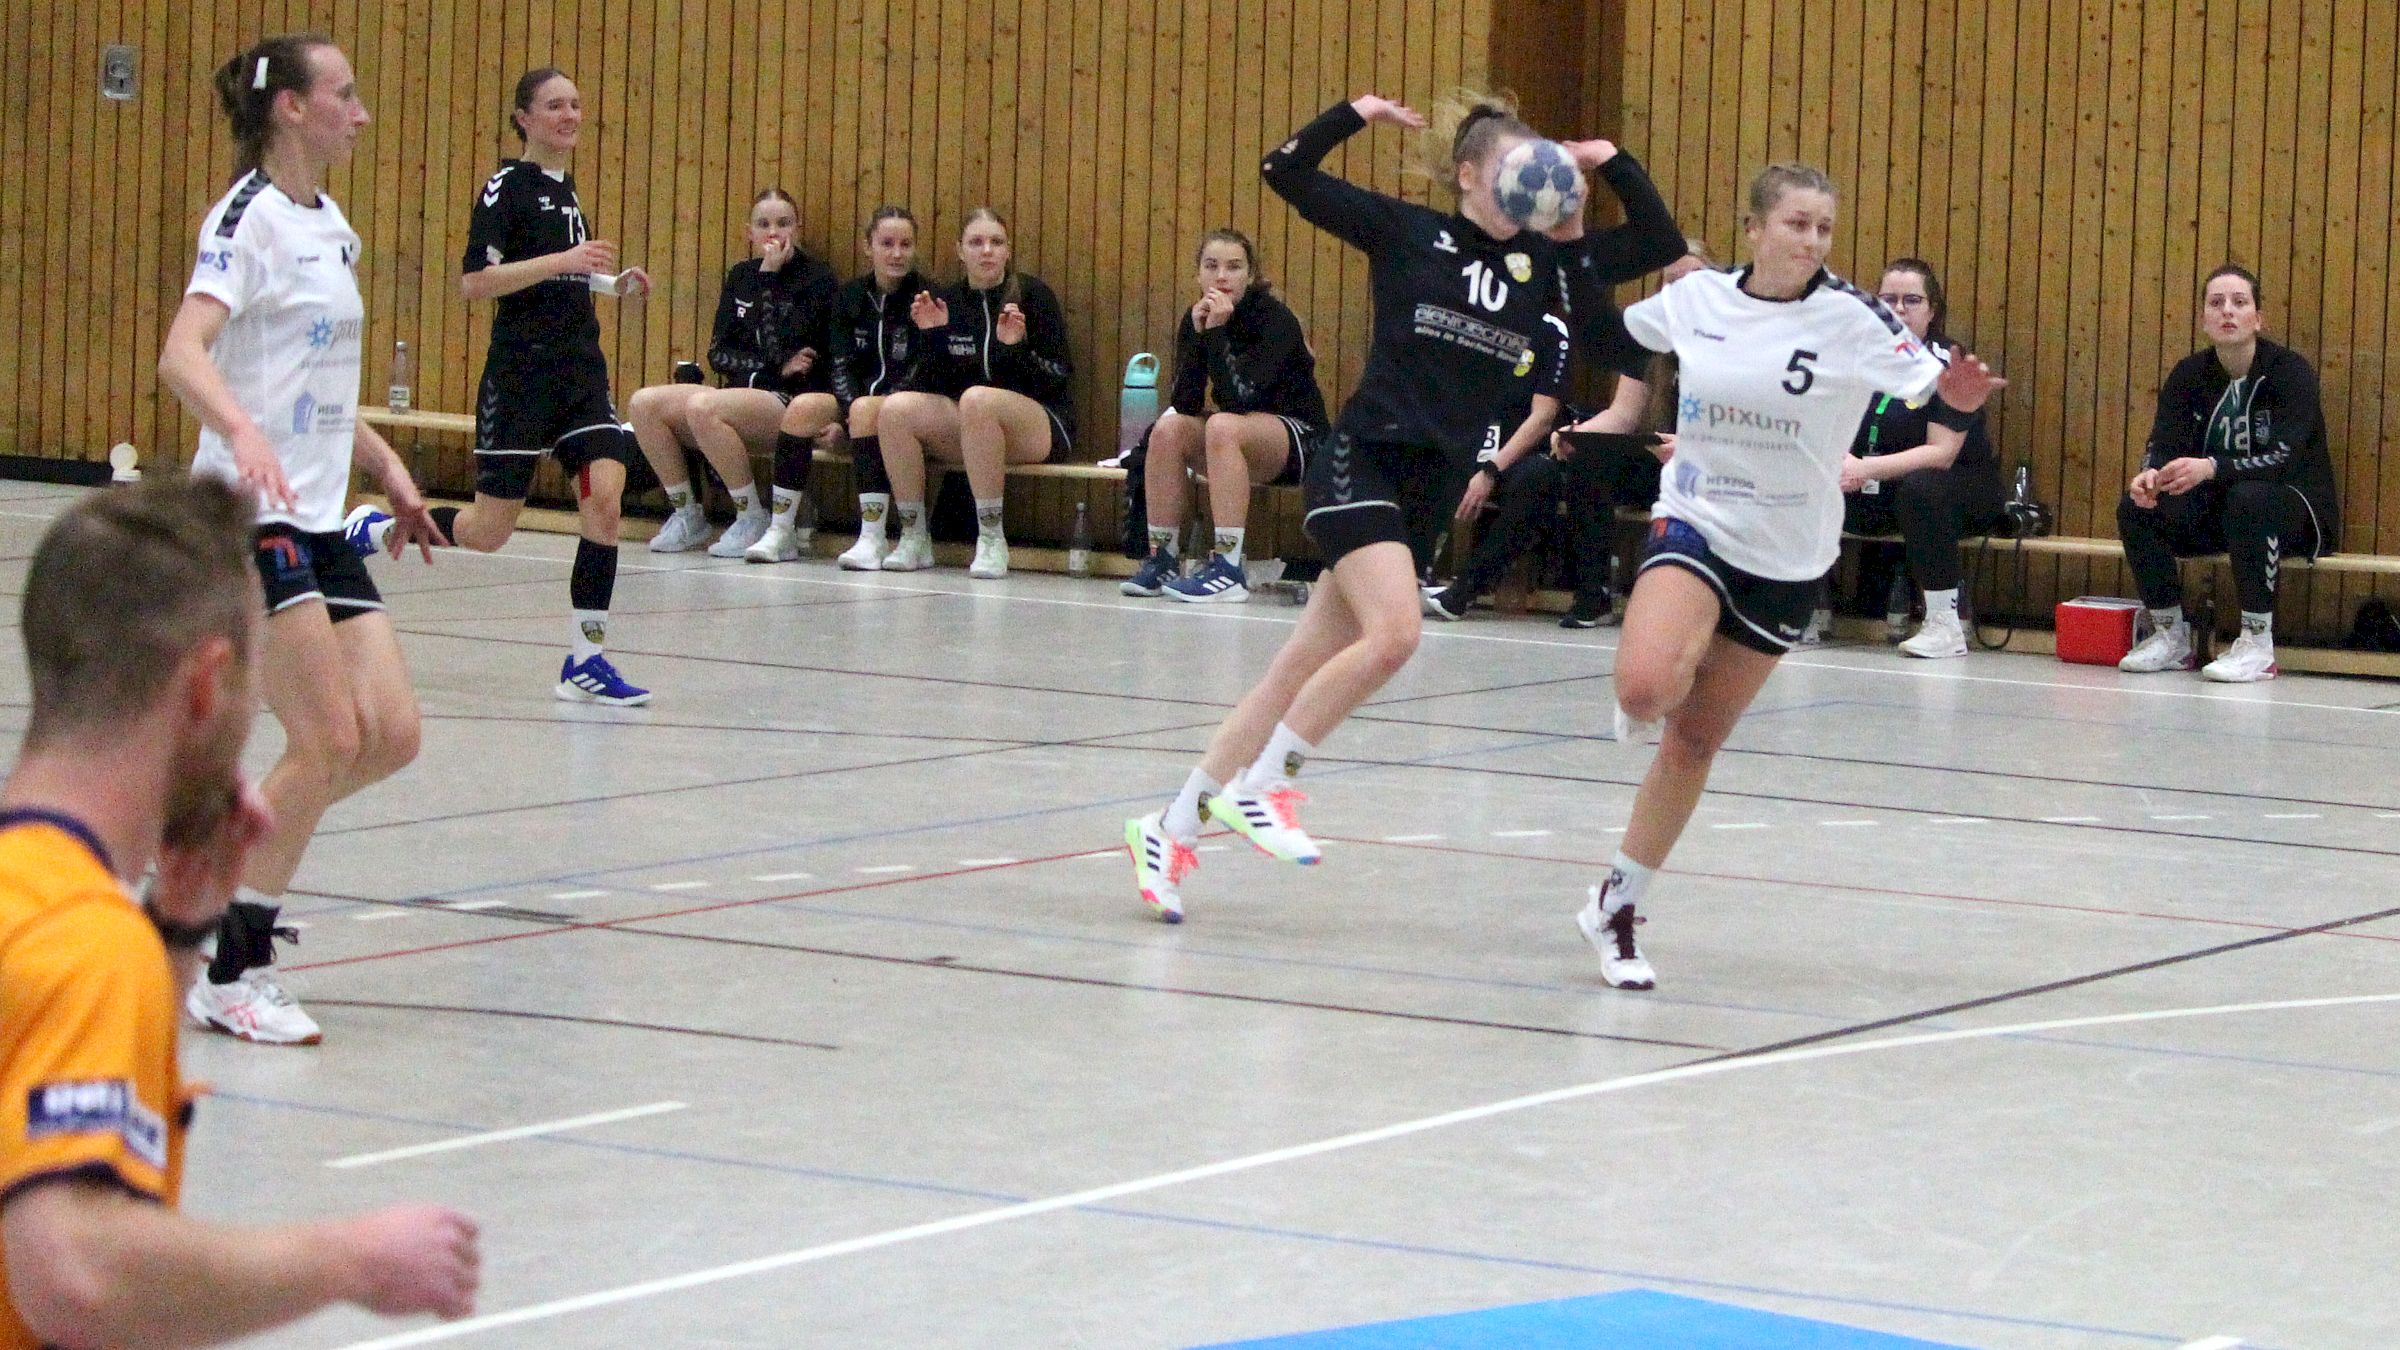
<point x="1775" y="180"/>
<point x="247" y="86"/>
<point x="1466" y="127"/>
<point x="529" y="84"/>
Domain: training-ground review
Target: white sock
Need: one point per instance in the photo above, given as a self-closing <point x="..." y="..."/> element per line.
<point x="1280" y="762"/>
<point x="1942" y="606"/>
<point x="679" y="495"/>
<point x="872" y="508"/>
<point x="1182" y="818"/>
<point x="912" y="517"/>
<point x="591" y="630"/>
<point x="1229" y="544"/>
<point x="746" y="497"/>
<point x="2167" y="619"/>
<point x="987" y="514"/>
<point x="1627" y="880"/>
<point x="1162" y="539"/>
<point x="787" y="506"/>
<point x="2260" y="626"/>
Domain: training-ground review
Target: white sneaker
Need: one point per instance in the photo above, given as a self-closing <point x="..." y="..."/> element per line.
<point x="747" y="529"/>
<point x="1942" y="636"/>
<point x="1820" y="624"/>
<point x="1160" y="863"/>
<point x="991" y="558"/>
<point x="2249" y="660"/>
<point x="253" y="1007"/>
<point x="1631" y="732"/>
<point x="2164" y="649"/>
<point x="781" y="543"/>
<point x="866" y="555"/>
<point x="686" y="527"/>
<point x="914" y="552"/>
<point x="1269" y="819"/>
<point x="1621" y="961"/>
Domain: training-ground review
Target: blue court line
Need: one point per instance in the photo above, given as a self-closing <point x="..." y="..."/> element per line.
<point x="1246" y="1229"/>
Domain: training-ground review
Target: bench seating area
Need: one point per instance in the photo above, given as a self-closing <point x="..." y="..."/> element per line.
<point x="1275" y="532"/>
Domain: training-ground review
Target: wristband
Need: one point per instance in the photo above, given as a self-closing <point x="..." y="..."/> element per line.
<point x="1490" y="466"/>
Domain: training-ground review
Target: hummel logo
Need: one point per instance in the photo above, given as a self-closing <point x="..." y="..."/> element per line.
<point x="1445" y="243"/>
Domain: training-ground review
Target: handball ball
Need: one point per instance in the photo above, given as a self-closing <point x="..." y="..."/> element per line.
<point x="1538" y="184"/>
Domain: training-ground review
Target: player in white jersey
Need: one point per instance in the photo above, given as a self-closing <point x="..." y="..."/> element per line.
<point x="265" y="352"/>
<point x="1778" y="362"/>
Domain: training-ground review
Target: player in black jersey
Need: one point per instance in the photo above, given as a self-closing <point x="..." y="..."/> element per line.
<point x="988" y="389"/>
<point x="1459" y="305"/>
<point x="545" y="381"/>
<point x="1247" y="347"/>
<point x="767" y="346"/>
<point x="872" y="344"/>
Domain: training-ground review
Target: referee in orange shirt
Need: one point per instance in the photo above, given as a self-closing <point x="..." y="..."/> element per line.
<point x="140" y="625"/>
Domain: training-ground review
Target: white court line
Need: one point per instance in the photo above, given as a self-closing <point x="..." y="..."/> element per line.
<point x="1845" y="824"/>
<point x="1520" y="834"/>
<point x="380" y="915"/>
<point x="2070" y="820"/>
<point x="1741" y="825"/>
<point x="1103" y="853"/>
<point x="1958" y="820"/>
<point x="988" y="862"/>
<point x="782" y="876"/>
<point x="2387" y="815"/>
<point x="679" y="886"/>
<point x="1099" y="1195"/>
<point x="2213" y="1343"/>
<point x="502" y="1136"/>
<point x="1410" y="838"/>
<point x="576" y="895"/>
<point x="2181" y="817"/>
<point x="2293" y="815"/>
<point x="473" y="904"/>
<point x="1216" y="848"/>
<point x="888" y="869"/>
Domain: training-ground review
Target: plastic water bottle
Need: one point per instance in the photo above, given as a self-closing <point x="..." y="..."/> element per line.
<point x="1895" y="609"/>
<point x="397" y="398"/>
<point x="1079" y="544"/>
<point x="2024" y="484"/>
<point x="804" y="523"/>
<point x="1137" y="404"/>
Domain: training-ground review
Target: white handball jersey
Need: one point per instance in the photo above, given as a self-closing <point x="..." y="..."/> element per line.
<point x="1770" y="396"/>
<point x="290" y="353"/>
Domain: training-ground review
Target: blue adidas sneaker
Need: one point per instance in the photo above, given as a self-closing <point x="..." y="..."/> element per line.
<point x="1219" y="581"/>
<point x="359" y="529"/>
<point x="1151" y="578"/>
<point x="596" y="681"/>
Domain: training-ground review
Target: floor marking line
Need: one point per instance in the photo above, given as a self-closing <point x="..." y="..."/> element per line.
<point x="783" y="876"/>
<point x="577" y="895"/>
<point x="1846" y="824"/>
<point x="380" y="915"/>
<point x="2187" y="816"/>
<point x="2292" y="815"/>
<point x="528" y="1015"/>
<point x="1959" y="820"/>
<point x="1521" y="834"/>
<point x="1742" y="825"/>
<point x="503" y="1136"/>
<point x="471" y="905"/>
<point x="680" y="886"/>
<point x="988" y="862"/>
<point x="2070" y="820"/>
<point x="1097" y="1195"/>
<point x="1410" y="838"/>
<point x="2213" y="1343"/>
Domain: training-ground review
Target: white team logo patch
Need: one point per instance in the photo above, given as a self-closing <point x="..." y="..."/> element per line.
<point x="1521" y="267"/>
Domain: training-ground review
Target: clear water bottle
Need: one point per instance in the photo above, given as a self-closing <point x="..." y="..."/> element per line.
<point x="398" y="397"/>
<point x="1616" y="578"/>
<point x="1079" y="544"/>
<point x="1137" y="403"/>
<point x="804" y="523"/>
<point x="2024" y="484"/>
<point x="1895" y="609"/>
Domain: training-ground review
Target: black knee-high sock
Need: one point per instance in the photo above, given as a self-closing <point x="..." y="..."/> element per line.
<point x="866" y="463"/>
<point x="792" y="455"/>
<point x="590" y="587"/>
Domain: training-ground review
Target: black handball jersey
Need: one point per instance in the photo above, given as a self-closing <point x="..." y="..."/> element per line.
<point x="524" y="212"/>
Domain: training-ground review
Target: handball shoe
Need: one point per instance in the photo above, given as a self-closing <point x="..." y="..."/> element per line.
<point x="1160" y="863"/>
<point x="254" y="1008"/>
<point x="1269" y="818"/>
<point x="1611" y="934"/>
<point x="596" y="681"/>
<point x="685" y="530"/>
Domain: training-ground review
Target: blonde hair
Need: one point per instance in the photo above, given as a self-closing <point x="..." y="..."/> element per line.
<point x="1775" y="180"/>
<point x="1467" y="124"/>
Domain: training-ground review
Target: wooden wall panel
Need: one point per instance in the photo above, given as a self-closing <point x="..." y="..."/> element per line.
<point x="1110" y="134"/>
<point x="2074" y="169"/>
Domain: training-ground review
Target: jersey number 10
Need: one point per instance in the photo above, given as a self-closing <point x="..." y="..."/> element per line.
<point x="1484" y="286"/>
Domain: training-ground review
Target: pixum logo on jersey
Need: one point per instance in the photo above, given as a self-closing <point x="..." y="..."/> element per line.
<point x="1730" y="417"/>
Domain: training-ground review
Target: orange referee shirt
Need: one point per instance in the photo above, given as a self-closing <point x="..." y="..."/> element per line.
<point x="88" y="1079"/>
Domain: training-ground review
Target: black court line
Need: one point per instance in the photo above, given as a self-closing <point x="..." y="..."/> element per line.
<point x="1135" y="986"/>
<point x="2054" y="986"/>
<point x="2010" y="774"/>
<point x="1495" y="689"/>
<point x="653" y="724"/>
<point x="564" y="1017"/>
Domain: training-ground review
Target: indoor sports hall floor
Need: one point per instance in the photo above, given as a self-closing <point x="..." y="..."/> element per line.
<point x="2089" y="986"/>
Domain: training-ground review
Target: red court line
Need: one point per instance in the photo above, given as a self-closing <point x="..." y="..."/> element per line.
<point x="553" y="930"/>
<point x="1878" y="890"/>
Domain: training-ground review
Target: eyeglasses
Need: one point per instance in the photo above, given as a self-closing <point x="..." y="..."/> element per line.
<point x="1901" y="301"/>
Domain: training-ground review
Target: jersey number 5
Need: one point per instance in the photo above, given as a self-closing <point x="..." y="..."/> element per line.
<point x="1484" y="286"/>
<point x="1802" y="375"/>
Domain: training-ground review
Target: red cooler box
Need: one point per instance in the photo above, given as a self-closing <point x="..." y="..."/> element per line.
<point x="2096" y="630"/>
